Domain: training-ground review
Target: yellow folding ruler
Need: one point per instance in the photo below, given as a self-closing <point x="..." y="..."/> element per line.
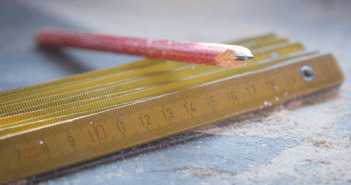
<point x="56" y="124"/>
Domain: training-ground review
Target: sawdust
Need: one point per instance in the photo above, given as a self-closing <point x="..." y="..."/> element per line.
<point x="323" y="153"/>
<point x="211" y="172"/>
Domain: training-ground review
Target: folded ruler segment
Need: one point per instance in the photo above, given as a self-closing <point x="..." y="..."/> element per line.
<point x="169" y="98"/>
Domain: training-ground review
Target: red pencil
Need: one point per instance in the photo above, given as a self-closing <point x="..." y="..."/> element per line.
<point x="200" y="53"/>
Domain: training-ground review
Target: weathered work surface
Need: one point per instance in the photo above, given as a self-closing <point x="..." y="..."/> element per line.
<point x="300" y="142"/>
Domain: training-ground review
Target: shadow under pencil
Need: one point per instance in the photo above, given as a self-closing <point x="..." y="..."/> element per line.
<point x="64" y="60"/>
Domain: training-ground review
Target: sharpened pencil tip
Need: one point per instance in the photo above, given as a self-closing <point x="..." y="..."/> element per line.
<point x="229" y="59"/>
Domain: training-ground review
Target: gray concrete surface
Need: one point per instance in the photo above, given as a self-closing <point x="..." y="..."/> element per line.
<point x="305" y="145"/>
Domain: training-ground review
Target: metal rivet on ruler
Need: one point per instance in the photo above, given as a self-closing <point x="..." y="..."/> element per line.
<point x="274" y="56"/>
<point x="307" y="73"/>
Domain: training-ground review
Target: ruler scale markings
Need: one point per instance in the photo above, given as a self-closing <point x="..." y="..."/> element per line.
<point x="101" y="148"/>
<point x="168" y="128"/>
<point x="174" y="128"/>
<point x="110" y="145"/>
<point x="144" y="136"/>
<point x="150" y="134"/>
<point x="118" y="143"/>
<point x="157" y="133"/>
<point x="140" y="139"/>
<point x="269" y="42"/>
<point x="189" y="124"/>
<point x="26" y="106"/>
<point x="210" y="116"/>
<point x="96" y="149"/>
<point x="83" y="77"/>
<point x="128" y="142"/>
<point x="164" y="129"/>
<point x="114" y="143"/>
<point x="134" y="139"/>
<point x="122" y="142"/>
<point x="159" y="130"/>
<point x="153" y="134"/>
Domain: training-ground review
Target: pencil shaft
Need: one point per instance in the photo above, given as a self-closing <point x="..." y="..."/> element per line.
<point x="199" y="53"/>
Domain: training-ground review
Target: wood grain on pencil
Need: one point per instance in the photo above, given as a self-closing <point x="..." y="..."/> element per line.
<point x="200" y="53"/>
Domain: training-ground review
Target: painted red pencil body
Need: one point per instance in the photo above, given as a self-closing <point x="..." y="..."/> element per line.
<point x="200" y="53"/>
